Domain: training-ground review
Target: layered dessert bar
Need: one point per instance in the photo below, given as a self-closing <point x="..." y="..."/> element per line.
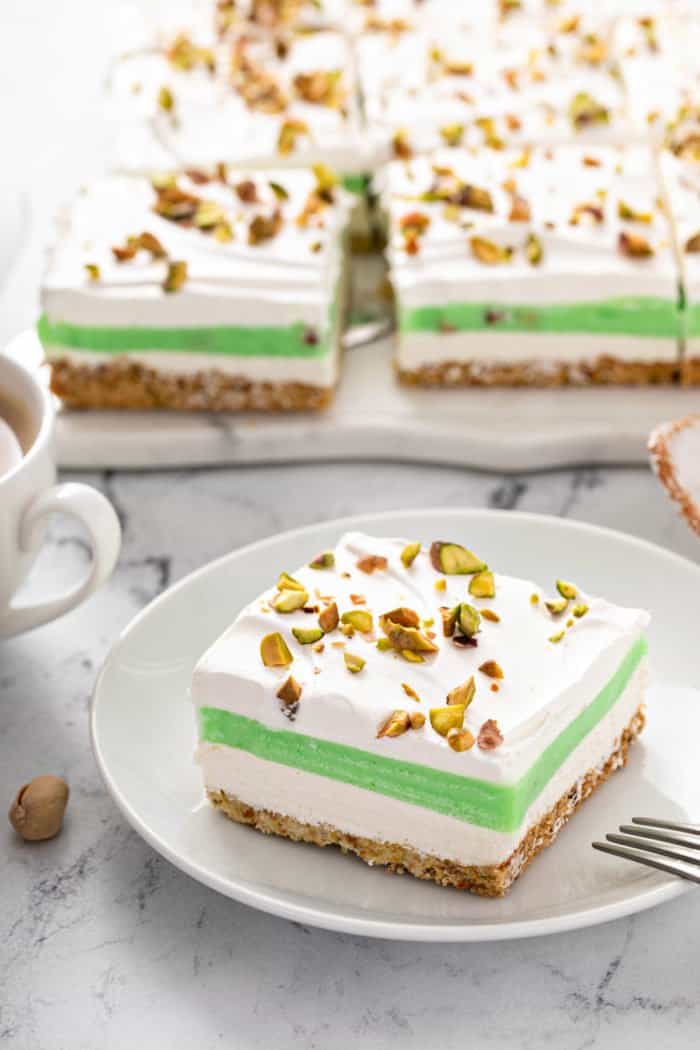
<point x="414" y="707"/>
<point x="251" y="100"/>
<point x="532" y="267"/>
<point x="207" y="291"/>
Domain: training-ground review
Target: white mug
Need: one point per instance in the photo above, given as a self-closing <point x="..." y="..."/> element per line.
<point x="28" y="494"/>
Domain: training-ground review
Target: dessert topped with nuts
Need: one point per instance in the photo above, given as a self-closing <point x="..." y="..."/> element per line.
<point x="251" y="99"/>
<point x="412" y="670"/>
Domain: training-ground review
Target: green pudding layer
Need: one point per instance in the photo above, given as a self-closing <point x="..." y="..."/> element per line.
<point x="501" y="807"/>
<point x="630" y="315"/>
<point x="292" y="341"/>
<point x="692" y="321"/>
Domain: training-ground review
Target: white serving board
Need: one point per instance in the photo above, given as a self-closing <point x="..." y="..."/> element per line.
<point x="374" y="418"/>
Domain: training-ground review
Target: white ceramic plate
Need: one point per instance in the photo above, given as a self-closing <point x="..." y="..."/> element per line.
<point x="373" y="417"/>
<point x="143" y="736"/>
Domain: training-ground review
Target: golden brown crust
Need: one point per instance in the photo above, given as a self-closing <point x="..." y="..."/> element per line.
<point x="602" y="371"/>
<point x="660" y="449"/>
<point x="124" y="384"/>
<point x="487" y="881"/>
<point x="690" y="373"/>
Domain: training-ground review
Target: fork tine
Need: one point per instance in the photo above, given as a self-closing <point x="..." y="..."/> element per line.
<point x="669" y="825"/>
<point x="660" y="836"/>
<point x="671" y="867"/>
<point x="663" y="851"/>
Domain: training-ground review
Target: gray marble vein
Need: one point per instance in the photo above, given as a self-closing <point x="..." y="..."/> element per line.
<point x="98" y="934"/>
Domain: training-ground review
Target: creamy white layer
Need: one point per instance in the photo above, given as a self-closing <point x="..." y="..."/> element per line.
<point x="545" y="349"/>
<point x="317" y="800"/>
<point x="315" y="371"/>
<point x="546" y="685"/>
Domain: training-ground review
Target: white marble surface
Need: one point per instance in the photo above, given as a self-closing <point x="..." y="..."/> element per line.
<point x="99" y="934"/>
<point x="104" y="944"/>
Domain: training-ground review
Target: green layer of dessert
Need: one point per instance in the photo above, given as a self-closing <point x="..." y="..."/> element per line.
<point x="630" y="315"/>
<point x="501" y="807"/>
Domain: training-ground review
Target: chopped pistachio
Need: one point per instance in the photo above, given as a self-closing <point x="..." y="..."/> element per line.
<point x="410" y="691"/>
<point x="489" y="614"/>
<point x="490" y="736"/>
<point x="410" y="553"/>
<point x="359" y="619"/>
<point x="290" y="131"/>
<point x="353" y="663"/>
<point x="406" y="638"/>
<point x="417" y="719"/>
<point x="460" y="739"/>
<point x="208" y="215"/>
<point x="452" y="134"/>
<point x="279" y="191"/>
<point x="396" y="724"/>
<point x="449" y="620"/>
<point x="412" y="657"/>
<point x="626" y="212"/>
<point x="384" y="645"/>
<point x="557" y="637"/>
<point x="328" y="618"/>
<point x="371" y="562"/>
<point x="319" y="647"/>
<point x="489" y="252"/>
<point x="634" y="246"/>
<point x="274" y="651"/>
<point x="441" y="585"/>
<point x="580" y="610"/>
<point x="166" y="99"/>
<point x="176" y="276"/>
<point x="442" y="719"/>
<point x="462" y="694"/>
<point x="584" y="110"/>
<point x="289" y="601"/>
<point x="403" y="616"/>
<point x="289" y="692"/>
<point x="534" y="252"/>
<point x="570" y="622"/>
<point x="567" y="590"/>
<point x="534" y="599"/>
<point x="454" y="560"/>
<point x="326" y="178"/>
<point x="307" y="635"/>
<point x="491" y="669"/>
<point x="557" y="606"/>
<point x="223" y="232"/>
<point x="93" y="271"/>
<point x="288" y="583"/>
<point x="326" y="560"/>
<point x="469" y="620"/>
<point x="482" y="585"/>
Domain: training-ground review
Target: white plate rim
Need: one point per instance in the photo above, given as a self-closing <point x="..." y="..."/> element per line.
<point x="336" y="921"/>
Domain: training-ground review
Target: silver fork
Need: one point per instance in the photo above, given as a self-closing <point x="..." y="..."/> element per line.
<point x="647" y="841"/>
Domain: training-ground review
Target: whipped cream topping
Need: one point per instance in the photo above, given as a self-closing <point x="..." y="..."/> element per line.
<point x="287" y="278"/>
<point x="545" y="685"/>
<point x="250" y="101"/>
<point x="576" y="202"/>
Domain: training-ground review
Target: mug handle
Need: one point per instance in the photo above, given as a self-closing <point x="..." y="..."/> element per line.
<point x="97" y="515"/>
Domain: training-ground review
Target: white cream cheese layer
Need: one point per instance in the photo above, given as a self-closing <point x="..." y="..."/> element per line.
<point x="289" y="279"/>
<point x="314" y="799"/>
<point x="546" y="684"/>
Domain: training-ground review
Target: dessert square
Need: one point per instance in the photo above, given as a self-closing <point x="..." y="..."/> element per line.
<point x="211" y="291"/>
<point x="251" y="100"/>
<point x="418" y="709"/>
<point x="545" y="266"/>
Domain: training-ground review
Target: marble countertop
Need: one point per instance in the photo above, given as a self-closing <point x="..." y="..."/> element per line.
<point x="103" y="943"/>
<point x="100" y="934"/>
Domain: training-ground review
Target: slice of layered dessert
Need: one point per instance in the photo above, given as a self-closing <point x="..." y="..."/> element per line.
<point x="210" y="291"/>
<point x="253" y="100"/>
<point x="533" y="267"/>
<point x="410" y="704"/>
